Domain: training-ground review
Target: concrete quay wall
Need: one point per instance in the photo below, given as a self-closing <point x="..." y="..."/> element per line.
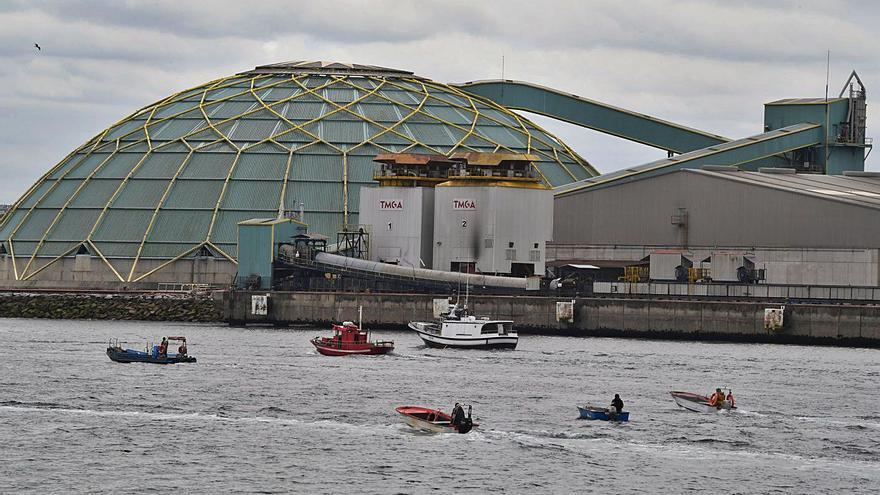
<point x="846" y="325"/>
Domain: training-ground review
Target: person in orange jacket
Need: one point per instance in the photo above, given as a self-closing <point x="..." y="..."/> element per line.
<point x="717" y="398"/>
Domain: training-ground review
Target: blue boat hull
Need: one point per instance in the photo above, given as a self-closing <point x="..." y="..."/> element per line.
<point x="132" y="356"/>
<point x="601" y="414"/>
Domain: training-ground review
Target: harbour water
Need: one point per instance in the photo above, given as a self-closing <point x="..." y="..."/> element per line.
<point x="262" y="412"/>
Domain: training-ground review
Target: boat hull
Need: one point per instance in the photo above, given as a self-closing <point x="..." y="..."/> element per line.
<point x="601" y="414"/>
<point x="430" y="420"/>
<point x="699" y="403"/>
<point x="367" y="349"/>
<point x="488" y="341"/>
<point x="132" y="356"/>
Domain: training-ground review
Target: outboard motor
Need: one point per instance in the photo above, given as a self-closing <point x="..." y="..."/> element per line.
<point x="467" y="423"/>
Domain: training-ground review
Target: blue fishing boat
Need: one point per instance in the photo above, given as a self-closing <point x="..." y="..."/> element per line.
<point x="602" y="414"/>
<point x="157" y="355"/>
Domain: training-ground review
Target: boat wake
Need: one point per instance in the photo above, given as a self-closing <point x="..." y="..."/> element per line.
<point x="587" y="444"/>
<point x="416" y="357"/>
<point x="157" y="416"/>
<point x="841" y="422"/>
<point x="562" y="435"/>
<point x="50" y="408"/>
<point x="564" y="443"/>
<point x="703" y="449"/>
<point x="272" y="410"/>
<point x="745" y="412"/>
<point x="712" y="441"/>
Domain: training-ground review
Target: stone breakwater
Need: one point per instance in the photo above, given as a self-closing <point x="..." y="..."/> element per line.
<point x="140" y="306"/>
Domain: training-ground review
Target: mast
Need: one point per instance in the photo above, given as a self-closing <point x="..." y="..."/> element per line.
<point x="467" y="284"/>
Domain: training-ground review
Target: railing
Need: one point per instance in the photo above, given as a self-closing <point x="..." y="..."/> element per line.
<point x="738" y="291"/>
<point x="175" y="287"/>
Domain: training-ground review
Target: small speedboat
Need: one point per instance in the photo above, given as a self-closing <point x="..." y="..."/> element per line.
<point x="700" y="403"/>
<point x="434" y="420"/>
<point x="348" y="339"/>
<point x="602" y="413"/>
<point x="158" y="354"/>
<point x="459" y="329"/>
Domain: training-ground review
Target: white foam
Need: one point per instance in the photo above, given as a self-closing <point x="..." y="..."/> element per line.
<point x="157" y="416"/>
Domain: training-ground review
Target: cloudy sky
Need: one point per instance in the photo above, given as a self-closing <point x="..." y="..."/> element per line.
<point x="706" y="64"/>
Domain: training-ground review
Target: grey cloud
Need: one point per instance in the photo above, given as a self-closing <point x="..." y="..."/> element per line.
<point x="784" y="33"/>
<point x="710" y="65"/>
<point x="347" y="21"/>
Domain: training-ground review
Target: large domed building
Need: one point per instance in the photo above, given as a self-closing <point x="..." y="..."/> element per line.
<point x="157" y="197"/>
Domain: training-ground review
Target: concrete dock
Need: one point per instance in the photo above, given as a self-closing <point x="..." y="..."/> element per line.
<point x="822" y="324"/>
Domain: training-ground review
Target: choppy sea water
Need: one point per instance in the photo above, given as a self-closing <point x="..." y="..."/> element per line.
<point x="262" y="412"/>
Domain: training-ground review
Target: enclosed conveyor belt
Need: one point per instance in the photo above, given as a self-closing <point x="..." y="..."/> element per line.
<point x="739" y="152"/>
<point x="475" y="280"/>
<point x="592" y="114"/>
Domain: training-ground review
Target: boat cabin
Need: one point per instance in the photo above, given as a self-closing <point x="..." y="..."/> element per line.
<point x="349" y="338"/>
<point x="348" y="332"/>
<point x="474" y="326"/>
<point x="458" y="321"/>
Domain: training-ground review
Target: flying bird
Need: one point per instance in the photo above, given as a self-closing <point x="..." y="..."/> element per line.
<point x="38" y="47"/>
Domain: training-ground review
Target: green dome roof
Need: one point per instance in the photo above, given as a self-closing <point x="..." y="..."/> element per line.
<point x="176" y="177"/>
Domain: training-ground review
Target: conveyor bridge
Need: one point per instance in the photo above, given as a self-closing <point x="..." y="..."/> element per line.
<point x="738" y="152"/>
<point x="694" y="148"/>
<point x="577" y="110"/>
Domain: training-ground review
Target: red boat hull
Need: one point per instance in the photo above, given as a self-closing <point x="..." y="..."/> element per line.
<point x="335" y="348"/>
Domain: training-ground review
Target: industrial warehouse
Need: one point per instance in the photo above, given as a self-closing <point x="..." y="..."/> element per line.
<point x="317" y="176"/>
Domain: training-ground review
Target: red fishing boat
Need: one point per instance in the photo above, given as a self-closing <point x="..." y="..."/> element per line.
<point x="348" y="339"/>
<point x="435" y="420"/>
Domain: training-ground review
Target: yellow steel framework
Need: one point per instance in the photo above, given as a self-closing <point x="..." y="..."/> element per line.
<point x="370" y="88"/>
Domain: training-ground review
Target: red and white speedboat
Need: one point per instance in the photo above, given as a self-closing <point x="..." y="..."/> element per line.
<point x="700" y="403"/>
<point x="349" y="339"/>
<point x="434" y="420"/>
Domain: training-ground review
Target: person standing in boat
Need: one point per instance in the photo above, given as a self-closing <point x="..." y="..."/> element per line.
<point x="182" y="349"/>
<point x="457" y="415"/>
<point x="163" y="347"/>
<point x="617" y="403"/>
<point x="730" y="398"/>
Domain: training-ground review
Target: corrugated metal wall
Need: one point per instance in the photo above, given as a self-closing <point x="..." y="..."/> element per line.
<point x="720" y="212"/>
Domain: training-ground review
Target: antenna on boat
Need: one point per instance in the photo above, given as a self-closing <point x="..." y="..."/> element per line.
<point x="361" y="318"/>
<point x="466" y="290"/>
<point x="458" y="287"/>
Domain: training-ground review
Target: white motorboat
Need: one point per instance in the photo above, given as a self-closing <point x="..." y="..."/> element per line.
<point x="700" y="403"/>
<point x="457" y="328"/>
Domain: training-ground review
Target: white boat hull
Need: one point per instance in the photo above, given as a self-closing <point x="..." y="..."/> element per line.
<point x="701" y="407"/>
<point x="428" y="426"/>
<point x="484" y="341"/>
